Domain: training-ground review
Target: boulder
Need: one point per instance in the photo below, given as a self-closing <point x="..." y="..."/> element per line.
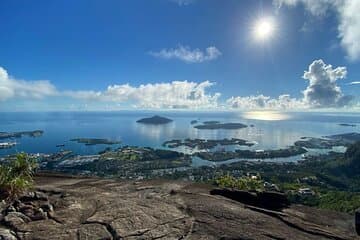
<point x="7" y="234"/>
<point x="267" y="199"/>
<point x="16" y="218"/>
<point x="273" y="200"/>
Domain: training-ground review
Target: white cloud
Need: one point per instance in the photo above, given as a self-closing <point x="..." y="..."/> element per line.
<point x="322" y="90"/>
<point x="177" y="94"/>
<point x="184" y="53"/>
<point x="10" y="87"/>
<point x="348" y="17"/>
<point x="354" y="83"/>
<point x="283" y="102"/>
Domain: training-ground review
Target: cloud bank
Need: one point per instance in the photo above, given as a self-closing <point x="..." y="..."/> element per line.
<point x="322" y="91"/>
<point x="177" y="94"/>
<point x="348" y="15"/>
<point x="188" y="55"/>
<point x="283" y="102"/>
<point x="12" y="88"/>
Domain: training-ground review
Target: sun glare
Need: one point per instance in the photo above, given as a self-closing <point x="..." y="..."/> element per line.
<point x="264" y="28"/>
<point x="266" y="115"/>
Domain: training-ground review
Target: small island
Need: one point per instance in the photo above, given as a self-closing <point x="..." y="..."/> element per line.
<point x="218" y="125"/>
<point x="36" y="133"/>
<point x="211" y="122"/>
<point x="347" y="125"/>
<point x="94" y="141"/>
<point x="155" y="120"/>
<point x="194" y="122"/>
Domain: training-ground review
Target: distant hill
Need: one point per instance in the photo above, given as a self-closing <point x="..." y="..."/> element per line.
<point x="155" y="120"/>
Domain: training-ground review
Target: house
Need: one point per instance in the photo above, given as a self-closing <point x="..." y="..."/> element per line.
<point x="306" y="191"/>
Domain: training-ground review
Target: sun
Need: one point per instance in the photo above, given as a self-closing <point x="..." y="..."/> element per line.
<point x="264" y="28"/>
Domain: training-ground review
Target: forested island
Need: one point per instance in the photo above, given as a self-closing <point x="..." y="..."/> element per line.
<point x="155" y="120"/>
<point x="216" y="125"/>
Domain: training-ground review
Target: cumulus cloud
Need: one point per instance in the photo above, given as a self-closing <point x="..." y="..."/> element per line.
<point x="322" y="90"/>
<point x="11" y="87"/>
<point x="258" y="102"/>
<point x="348" y="17"/>
<point x="177" y="94"/>
<point x="184" y="53"/>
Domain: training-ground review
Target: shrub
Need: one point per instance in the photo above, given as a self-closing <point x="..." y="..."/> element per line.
<point x="16" y="176"/>
<point x="242" y="183"/>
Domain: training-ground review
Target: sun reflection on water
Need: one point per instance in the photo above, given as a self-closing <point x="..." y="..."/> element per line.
<point x="266" y="115"/>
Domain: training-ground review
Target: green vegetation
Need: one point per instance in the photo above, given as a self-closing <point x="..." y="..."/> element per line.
<point x="278" y="153"/>
<point x="334" y="178"/>
<point x="242" y="183"/>
<point x="342" y="201"/>
<point x="16" y="175"/>
<point x="206" y="144"/>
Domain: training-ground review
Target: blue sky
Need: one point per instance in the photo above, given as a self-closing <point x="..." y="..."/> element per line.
<point x="95" y="55"/>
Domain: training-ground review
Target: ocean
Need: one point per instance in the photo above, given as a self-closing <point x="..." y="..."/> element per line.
<point x="271" y="130"/>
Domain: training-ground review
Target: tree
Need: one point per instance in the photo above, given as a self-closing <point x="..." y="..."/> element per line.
<point x="242" y="183"/>
<point x="352" y="159"/>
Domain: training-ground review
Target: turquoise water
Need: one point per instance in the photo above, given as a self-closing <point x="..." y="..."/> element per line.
<point x="60" y="127"/>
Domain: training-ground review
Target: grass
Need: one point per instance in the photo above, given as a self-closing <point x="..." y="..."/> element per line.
<point x="16" y="176"/>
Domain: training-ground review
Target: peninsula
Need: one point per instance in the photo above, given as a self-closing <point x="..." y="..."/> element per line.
<point x="206" y="144"/>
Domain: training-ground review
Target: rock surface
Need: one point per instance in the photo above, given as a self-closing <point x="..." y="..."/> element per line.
<point x="91" y="208"/>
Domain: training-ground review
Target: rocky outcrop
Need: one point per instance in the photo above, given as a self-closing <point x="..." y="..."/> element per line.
<point x="80" y="208"/>
<point x="268" y="200"/>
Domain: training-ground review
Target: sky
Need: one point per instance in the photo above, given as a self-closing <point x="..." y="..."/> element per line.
<point x="286" y="55"/>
